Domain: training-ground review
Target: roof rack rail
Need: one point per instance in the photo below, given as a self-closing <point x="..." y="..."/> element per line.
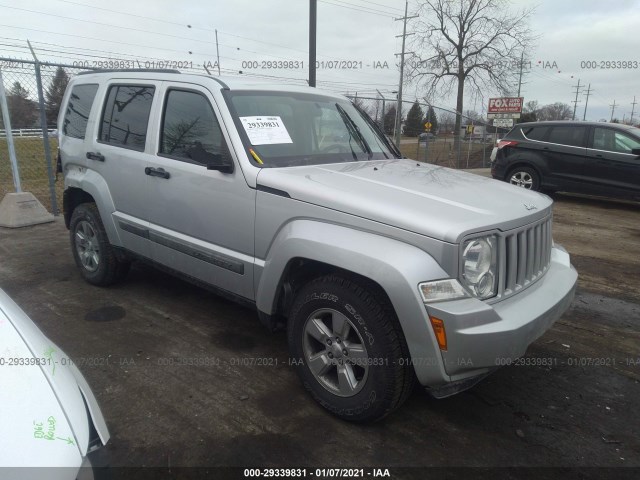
<point x="131" y="70"/>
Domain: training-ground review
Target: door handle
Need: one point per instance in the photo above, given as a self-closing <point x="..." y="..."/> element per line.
<point x="157" y="172"/>
<point x="95" y="156"/>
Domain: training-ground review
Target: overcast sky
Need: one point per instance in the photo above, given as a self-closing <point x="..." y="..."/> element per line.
<point x="570" y="32"/>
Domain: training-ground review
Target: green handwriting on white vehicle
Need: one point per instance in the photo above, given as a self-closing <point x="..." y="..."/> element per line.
<point x="383" y="272"/>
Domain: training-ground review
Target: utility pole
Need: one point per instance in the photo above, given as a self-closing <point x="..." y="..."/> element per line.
<point x="404" y="37"/>
<point x="613" y="109"/>
<point x="520" y="79"/>
<point x="575" y="102"/>
<point x="313" y="21"/>
<point x="586" y="102"/>
<point x="217" y="52"/>
<point x="633" y="109"/>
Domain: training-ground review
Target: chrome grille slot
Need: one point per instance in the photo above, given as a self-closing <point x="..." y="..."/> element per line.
<point x="530" y="254"/>
<point x="512" y="262"/>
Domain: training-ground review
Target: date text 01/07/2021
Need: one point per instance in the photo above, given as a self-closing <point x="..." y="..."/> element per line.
<point x="317" y="472"/>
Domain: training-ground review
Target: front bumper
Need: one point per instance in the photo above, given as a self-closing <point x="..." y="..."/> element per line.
<point x="482" y="336"/>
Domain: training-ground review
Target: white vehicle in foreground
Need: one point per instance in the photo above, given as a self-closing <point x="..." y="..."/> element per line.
<point x="51" y="423"/>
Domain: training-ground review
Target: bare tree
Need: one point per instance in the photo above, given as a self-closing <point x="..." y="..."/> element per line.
<point x="474" y="43"/>
<point x="447" y="121"/>
<point x="529" y="112"/>
<point x="555" y="111"/>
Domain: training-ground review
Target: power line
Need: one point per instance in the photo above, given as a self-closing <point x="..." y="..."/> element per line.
<point x="107" y="24"/>
<point x="397" y="10"/>
<point x="363" y="9"/>
<point x="144" y="31"/>
<point x="130" y="14"/>
<point x="371" y="10"/>
<point x="101" y="40"/>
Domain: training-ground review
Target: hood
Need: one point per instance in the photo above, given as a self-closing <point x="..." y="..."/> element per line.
<point x="439" y="202"/>
<point x="44" y="405"/>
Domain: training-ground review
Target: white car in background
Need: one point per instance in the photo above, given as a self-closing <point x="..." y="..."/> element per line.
<point x="51" y="421"/>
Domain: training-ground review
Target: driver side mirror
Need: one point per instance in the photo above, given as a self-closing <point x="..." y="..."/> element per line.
<point x="636" y="152"/>
<point x="213" y="161"/>
<point x="221" y="161"/>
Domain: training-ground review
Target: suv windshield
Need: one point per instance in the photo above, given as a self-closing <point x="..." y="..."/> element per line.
<point x="282" y="129"/>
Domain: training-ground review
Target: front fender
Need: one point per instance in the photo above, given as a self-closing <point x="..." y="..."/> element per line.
<point x="95" y="185"/>
<point x="396" y="266"/>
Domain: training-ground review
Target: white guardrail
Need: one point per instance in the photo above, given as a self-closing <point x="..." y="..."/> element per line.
<point x="28" y="132"/>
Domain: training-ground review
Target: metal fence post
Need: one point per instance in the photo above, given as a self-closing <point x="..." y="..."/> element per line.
<point x="9" y="136"/>
<point x="45" y="139"/>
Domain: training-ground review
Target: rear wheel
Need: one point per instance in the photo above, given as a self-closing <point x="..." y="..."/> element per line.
<point x="348" y="349"/>
<point x="525" y="177"/>
<point x="95" y="257"/>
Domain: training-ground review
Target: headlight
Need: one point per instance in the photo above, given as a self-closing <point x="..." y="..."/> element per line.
<point x="479" y="266"/>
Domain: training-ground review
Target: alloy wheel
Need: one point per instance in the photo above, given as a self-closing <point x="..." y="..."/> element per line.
<point x="335" y="352"/>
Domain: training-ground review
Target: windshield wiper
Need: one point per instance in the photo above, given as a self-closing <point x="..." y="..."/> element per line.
<point x="351" y="125"/>
<point x="390" y="145"/>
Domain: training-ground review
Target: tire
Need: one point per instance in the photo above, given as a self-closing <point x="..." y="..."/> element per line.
<point x="525" y="177"/>
<point x="95" y="257"/>
<point x="333" y="314"/>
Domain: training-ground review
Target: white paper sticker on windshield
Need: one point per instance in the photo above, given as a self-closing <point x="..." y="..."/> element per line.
<point x="265" y="130"/>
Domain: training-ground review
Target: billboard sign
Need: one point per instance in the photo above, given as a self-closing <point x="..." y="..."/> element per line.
<point x="505" y="105"/>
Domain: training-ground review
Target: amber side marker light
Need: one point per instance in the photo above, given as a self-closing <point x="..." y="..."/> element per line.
<point x="441" y="334"/>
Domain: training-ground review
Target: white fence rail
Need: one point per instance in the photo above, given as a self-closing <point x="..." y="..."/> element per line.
<point x="27" y="132"/>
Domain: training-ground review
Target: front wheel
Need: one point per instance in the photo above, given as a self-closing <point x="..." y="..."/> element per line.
<point x="95" y="257"/>
<point x="348" y="349"/>
<point x="525" y="177"/>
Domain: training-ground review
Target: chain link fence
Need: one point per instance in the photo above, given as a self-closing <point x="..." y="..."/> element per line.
<point x="34" y="92"/>
<point x="428" y="132"/>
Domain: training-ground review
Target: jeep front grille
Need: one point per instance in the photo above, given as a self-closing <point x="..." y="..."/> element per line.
<point x="526" y="254"/>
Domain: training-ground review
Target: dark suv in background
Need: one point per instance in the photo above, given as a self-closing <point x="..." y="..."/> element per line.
<point x="587" y="157"/>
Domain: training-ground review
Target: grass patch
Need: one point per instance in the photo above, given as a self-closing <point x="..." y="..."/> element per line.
<point x="32" y="166"/>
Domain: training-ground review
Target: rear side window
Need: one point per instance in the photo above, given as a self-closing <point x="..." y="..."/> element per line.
<point x="76" y="115"/>
<point x="568" y="135"/>
<point x="126" y="116"/>
<point x="613" y="141"/>
<point x="535" y="133"/>
<point x="190" y="129"/>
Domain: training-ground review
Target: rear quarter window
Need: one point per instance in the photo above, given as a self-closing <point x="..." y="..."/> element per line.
<point x="535" y="133"/>
<point x="78" y="108"/>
